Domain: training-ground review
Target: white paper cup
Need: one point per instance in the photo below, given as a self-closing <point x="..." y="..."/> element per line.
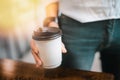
<point x="48" y="41"/>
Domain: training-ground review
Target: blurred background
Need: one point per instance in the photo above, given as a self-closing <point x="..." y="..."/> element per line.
<point x="18" y="19"/>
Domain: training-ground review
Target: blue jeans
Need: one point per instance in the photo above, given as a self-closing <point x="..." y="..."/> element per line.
<point x="83" y="40"/>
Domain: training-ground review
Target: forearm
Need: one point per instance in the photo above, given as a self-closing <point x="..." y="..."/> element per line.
<point x="51" y="13"/>
<point x="52" y="9"/>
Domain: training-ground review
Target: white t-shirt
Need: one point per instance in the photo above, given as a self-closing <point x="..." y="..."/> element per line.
<point x="90" y="10"/>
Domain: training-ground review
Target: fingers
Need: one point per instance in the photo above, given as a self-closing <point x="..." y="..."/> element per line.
<point x="33" y="46"/>
<point x="35" y="53"/>
<point x="64" y="50"/>
<point x="37" y="59"/>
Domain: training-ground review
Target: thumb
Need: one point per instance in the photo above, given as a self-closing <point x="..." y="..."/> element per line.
<point x="53" y="24"/>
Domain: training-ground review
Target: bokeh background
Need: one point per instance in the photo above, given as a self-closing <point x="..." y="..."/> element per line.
<point x="18" y="19"/>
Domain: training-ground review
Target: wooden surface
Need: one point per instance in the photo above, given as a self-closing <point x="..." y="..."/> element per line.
<point x="17" y="70"/>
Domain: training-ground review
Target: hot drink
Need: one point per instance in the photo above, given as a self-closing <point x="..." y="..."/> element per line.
<point x="48" y="41"/>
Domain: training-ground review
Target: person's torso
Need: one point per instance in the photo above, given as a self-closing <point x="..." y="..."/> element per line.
<point x="90" y="10"/>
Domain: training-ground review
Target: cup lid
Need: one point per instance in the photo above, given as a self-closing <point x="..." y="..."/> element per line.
<point x="46" y="33"/>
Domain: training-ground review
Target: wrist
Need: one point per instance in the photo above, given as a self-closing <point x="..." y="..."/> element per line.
<point x="48" y="20"/>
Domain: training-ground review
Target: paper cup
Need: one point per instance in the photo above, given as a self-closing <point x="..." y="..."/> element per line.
<point x="48" y="41"/>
